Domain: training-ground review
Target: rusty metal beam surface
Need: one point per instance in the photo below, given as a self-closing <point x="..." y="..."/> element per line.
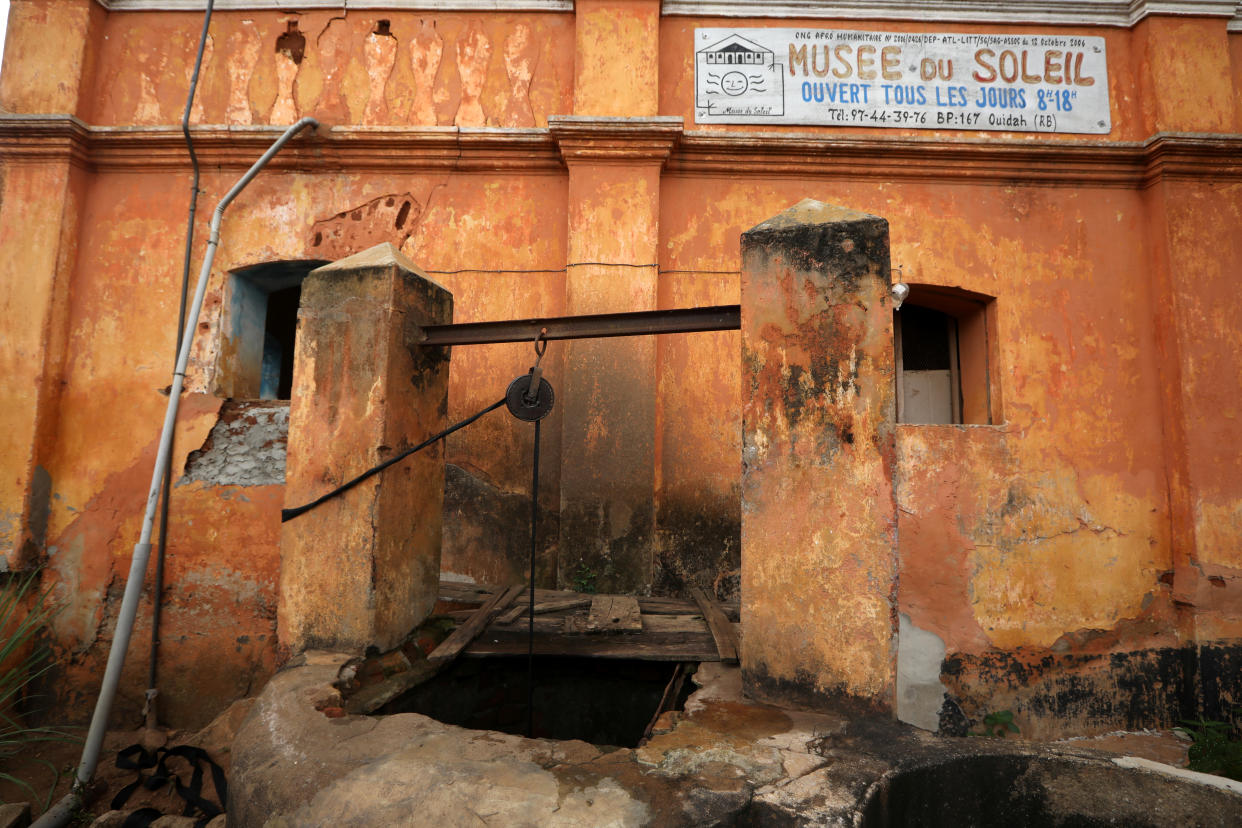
<point x="641" y="323"/>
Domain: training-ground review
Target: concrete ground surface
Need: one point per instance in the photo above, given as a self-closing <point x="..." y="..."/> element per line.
<point x="721" y="761"/>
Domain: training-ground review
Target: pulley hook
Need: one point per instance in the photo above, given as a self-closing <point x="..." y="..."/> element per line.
<point x="530" y="397"/>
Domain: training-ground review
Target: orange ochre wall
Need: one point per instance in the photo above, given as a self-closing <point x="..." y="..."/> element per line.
<point x="1056" y="555"/>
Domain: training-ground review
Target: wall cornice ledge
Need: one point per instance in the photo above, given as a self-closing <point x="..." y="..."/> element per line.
<point x="41" y="139"/>
<point x="1099" y="163"/>
<point x="304" y="5"/>
<point x="1055" y="12"/>
<point x="615" y="140"/>
<point x="35" y="138"/>
<point x="1192" y="155"/>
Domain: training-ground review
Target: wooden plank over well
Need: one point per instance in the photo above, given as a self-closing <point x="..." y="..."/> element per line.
<point x="718" y="623"/>
<point x="576" y="624"/>
<point x="543" y="608"/>
<point x="614" y="613"/>
<point x="450" y="647"/>
<point x="457" y="592"/>
<point x="669" y="647"/>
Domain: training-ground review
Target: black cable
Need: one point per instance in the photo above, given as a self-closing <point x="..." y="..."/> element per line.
<point x="489" y="270"/>
<point x="530" y="609"/>
<point x="290" y="514"/>
<point x="610" y="264"/>
<point x="707" y="272"/>
<point x="580" y="264"/>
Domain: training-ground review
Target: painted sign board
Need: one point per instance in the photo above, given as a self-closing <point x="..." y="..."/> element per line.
<point x="904" y="80"/>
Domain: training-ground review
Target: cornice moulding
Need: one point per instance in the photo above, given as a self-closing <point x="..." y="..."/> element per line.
<point x="1042" y="12"/>
<point x="1183" y="156"/>
<point x="1174" y="155"/>
<point x="304" y="5"/>
<point x="1036" y="12"/>
<point x="44" y="139"/>
<point x="924" y="159"/>
<point x="26" y="139"/>
<point x="617" y="140"/>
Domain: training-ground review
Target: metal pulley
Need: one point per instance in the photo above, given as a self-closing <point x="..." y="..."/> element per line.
<point x="530" y="397"/>
<point x="525" y="407"/>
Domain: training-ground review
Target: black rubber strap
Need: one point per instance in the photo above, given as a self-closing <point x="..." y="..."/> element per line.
<point x="135" y="758"/>
<point x="192" y="793"/>
<point x="138" y="758"/>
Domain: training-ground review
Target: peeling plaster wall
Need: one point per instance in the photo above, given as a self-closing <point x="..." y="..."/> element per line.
<point x="218" y="622"/>
<point x="468" y="70"/>
<point x="226" y="521"/>
<point x="1049" y="534"/>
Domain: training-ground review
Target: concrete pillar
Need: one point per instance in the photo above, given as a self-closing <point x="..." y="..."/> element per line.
<point x="819" y="557"/>
<point x="363" y="568"/>
<point x="616" y="39"/>
<point x="614" y="146"/>
<point x="608" y="450"/>
<point x="47" y="69"/>
<point x="40" y="211"/>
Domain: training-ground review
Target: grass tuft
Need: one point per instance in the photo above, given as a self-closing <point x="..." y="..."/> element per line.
<point x="25" y="613"/>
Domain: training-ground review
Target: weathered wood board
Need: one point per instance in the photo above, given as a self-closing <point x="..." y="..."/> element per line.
<point x="722" y="630"/>
<point x="614" y="614"/>
<point x="571" y="623"/>
<point x="453" y="645"/>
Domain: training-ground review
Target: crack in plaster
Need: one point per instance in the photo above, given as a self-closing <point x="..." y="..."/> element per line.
<point x="1097" y="529"/>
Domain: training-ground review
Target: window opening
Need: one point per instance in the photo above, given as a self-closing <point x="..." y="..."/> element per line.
<point x="931" y="387"/>
<point x="279" y="334"/>
<point x="259" y="330"/>
<point x="944" y="350"/>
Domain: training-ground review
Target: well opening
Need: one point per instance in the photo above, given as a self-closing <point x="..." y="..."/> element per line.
<point x="607" y="702"/>
<point x="1040" y="791"/>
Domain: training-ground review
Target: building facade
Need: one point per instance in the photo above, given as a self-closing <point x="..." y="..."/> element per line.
<point x="1062" y="184"/>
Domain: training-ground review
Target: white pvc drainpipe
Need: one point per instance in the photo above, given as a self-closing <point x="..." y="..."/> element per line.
<point x="60" y="813"/>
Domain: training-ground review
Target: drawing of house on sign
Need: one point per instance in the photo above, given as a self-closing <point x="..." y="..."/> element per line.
<point x="737" y="77"/>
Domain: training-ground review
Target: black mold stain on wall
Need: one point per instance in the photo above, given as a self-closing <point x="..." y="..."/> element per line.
<point x="802" y="692"/>
<point x="699" y="544"/>
<point x="846" y="248"/>
<point x="1096" y="692"/>
<point x="484" y="524"/>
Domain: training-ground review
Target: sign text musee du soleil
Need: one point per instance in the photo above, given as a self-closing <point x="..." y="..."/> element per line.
<point x="825" y="77"/>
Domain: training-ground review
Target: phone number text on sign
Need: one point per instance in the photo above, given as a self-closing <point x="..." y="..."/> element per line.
<point x="823" y="77"/>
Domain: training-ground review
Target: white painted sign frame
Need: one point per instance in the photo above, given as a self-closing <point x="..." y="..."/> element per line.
<point x="902" y="80"/>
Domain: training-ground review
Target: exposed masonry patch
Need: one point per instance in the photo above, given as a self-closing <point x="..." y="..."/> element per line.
<point x="292" y="43"/>
<point x="389" y="218"/>
<point x="246" y="447"/>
